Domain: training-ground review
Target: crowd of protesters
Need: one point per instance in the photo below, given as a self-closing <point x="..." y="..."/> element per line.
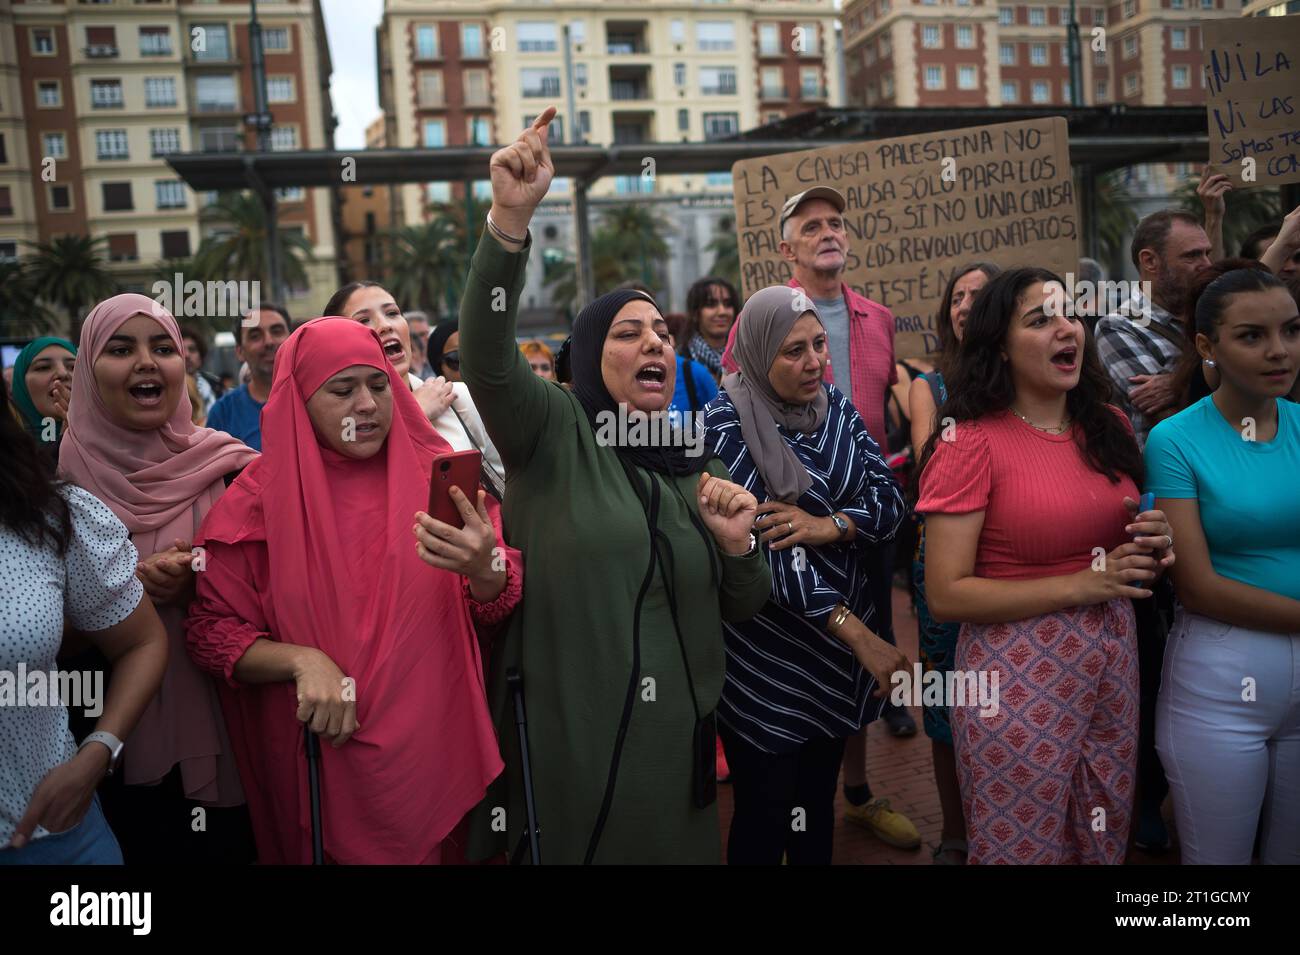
<point x="256" y="567"/>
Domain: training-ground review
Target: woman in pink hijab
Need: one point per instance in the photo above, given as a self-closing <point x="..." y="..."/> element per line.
<point x="132" y="444"/>
<point x="318" y="606"/>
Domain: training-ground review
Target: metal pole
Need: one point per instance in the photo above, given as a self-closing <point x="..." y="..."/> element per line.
<point x="582" y="240"/>
<point x="575" y="132"/>
<point x="1074" y="52"/>
<point x="263" y="126"/>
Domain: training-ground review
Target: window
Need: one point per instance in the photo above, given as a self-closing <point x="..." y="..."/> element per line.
<point x="1010" y="93"/>
<point x="159" y="91"/>
<point x="544" y="81"/>
<point x="54" y="145"/>
<point x="220" y="139"/>
<point x="438" y="192"/>
<point x="101" y="42"/>
<point x="679" y="74"/>
<point x="6" y="204"/>
<point x="275" y="39"/>
<point x="1099" y="17"/>
<point x="713" y="35"/>
<point x="1130" y="83"/>
<point x="934" y="77"/>
<point x="1038" y="16"/>
<point x="105" y="94"/>
<point x="556" y="127"/>
<point x="170" y="193"/>
<point x="284" y="138"/>
<point x="482" y="189"/>
<point x="121" y="247"/>
<point x="117" y="196"/>
<point x="1040" y="92"/>
<point x="1006" y="16"/>
<point x="1207" y="4"/>
<point x="869" y="54"/>
<point x="111" y="144"/>
<point x="931" y="38"/>
<point x="718" y="125"/>
<point x="215" y="94"/>
<point x="1181" y="78"/>
<point x="431" y="88"/>
<point x="60" y="198"/>
<point x="580" y="74"/>
<point x="1099" y="57"/>
<point x="43" y="41"/>
<point x="887" y="86"/>
<point x="810" y="82"/>
<point x="8" y="251"/>
<point x="1178" y="38"/>
<point x="176" y="245"/>
<point x="1130" y="46"/>
<point x="471" y="39"/>
<point x="215" y="41"/>
<point x="1007" y="54"/>
<point x="683" y="120"/>
<point x="577" y="32"/>
<point x="426" y="42"/>
<point x="810" y="37"/>
<point x="49" y="95"/>
<point x="968" y="78"/>
<point x="965" y="36"/>
<point x="1130" y="8"/>
<point x="1103" y="90"/>
<point x="537" y="36"/>
<point x="1038" y="54"/>
<point x="1065" y="92"/>
<point x="296" y="194"/>
<point x="476" y="87"/>
<point x="886" y="46"/>
<point x="718" y="80"/>
<point x="771" y="83"/>
<point x="155" y="41"/>
<point x="480" y="131"/>
<point x="435" y="133"/>
<point x="279" y="89"/>
<point x="769" y="39"/>
<point x="677" y="30"/>
<point x="164" y="141"/>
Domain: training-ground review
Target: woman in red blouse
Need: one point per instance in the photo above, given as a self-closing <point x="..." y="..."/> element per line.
<point x="317" y="604"/>
<point x="1029" y="494"/>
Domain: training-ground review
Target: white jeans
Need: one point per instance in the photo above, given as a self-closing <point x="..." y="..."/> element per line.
<point x="1228" y="759"/>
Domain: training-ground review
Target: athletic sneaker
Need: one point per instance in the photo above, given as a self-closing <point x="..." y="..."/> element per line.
<point x="891" y="828"/>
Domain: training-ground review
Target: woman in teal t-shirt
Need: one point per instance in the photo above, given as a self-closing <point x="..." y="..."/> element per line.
<point x="1224" y="471"/>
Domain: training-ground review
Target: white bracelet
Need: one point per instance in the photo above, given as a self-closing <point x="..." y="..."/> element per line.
<point x="501" y="234"/>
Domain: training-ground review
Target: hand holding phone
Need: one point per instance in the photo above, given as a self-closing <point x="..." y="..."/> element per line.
<point x="455" y="468"/>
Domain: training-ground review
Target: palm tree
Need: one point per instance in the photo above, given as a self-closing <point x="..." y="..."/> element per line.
<point x="1115" y="220"/>
<point x="237" y="250"/>
<point x="68" y="273"/>
<point x="1245" y="210"/>
<point x="424" y="266"/>
<point x="22" y="315"/>
<point x="627" y="246"/>
<point x="726" y="257"/>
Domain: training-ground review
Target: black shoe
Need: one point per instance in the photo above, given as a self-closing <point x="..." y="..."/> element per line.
<point x="899" y="721"/>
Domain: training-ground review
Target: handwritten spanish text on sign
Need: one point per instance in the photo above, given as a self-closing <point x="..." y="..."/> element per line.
<point x="1252" y="98"/>
<point x="920" y="208"/>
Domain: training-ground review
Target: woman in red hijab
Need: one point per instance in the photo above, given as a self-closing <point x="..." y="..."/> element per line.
<point x="316" y="606"/>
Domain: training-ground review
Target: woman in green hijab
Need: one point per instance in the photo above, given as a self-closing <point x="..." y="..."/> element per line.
<point x="42" y="386"/>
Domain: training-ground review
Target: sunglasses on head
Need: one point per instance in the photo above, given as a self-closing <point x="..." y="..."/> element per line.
<point x="452" y="360"/>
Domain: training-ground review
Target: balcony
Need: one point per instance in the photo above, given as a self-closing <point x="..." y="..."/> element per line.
<point x="213" y="106"/>
<point x="630" y="83"/>
<point x="626" y="38"/>
<point x="101" y="51"/>
<point x="631" y="128"/>
<point x="773" y="94"/>
<point x="223" y="140"/>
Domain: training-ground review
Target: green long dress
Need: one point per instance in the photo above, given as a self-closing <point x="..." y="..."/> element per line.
<point x="571" y="510"/>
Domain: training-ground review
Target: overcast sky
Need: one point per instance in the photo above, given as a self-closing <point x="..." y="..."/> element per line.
<point x="350" y="25"/>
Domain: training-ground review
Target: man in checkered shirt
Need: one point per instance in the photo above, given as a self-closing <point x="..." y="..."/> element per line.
<point x="1141" y="342"/>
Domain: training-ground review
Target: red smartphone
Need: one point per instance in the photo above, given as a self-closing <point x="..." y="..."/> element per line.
<point x="460" y="468"/>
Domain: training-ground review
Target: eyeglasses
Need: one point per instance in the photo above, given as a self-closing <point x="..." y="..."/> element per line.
<point x="452" y="360"/>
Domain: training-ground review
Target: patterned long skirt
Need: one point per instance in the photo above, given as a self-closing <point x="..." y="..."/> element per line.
<point x="1049" y="778"/>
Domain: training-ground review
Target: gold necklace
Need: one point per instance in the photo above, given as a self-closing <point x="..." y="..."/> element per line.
<point x="1058" y="429"/>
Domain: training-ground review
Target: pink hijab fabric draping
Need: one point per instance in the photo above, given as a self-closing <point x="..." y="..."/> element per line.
<point x="345" y="578"/>
<point x="160" y="484"/>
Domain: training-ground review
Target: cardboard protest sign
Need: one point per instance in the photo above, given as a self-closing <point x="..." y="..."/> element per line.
<point x="1252" y="97"/>
<point x="919" y="208"/>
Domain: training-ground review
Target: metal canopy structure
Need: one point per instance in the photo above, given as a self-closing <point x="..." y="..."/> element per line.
<point x="1102" y="138"/>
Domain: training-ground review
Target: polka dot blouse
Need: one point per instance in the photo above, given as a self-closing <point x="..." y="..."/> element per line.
<point x="94" y="587"/>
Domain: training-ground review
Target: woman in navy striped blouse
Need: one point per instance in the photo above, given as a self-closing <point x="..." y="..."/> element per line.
<point x="807" y="672"/>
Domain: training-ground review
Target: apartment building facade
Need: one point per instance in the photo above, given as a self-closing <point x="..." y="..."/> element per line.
<point x="980" y="53"/>
<point x="94" y="96"/>
<point x="456" y="73"/>
<point x="366" y="214"/>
